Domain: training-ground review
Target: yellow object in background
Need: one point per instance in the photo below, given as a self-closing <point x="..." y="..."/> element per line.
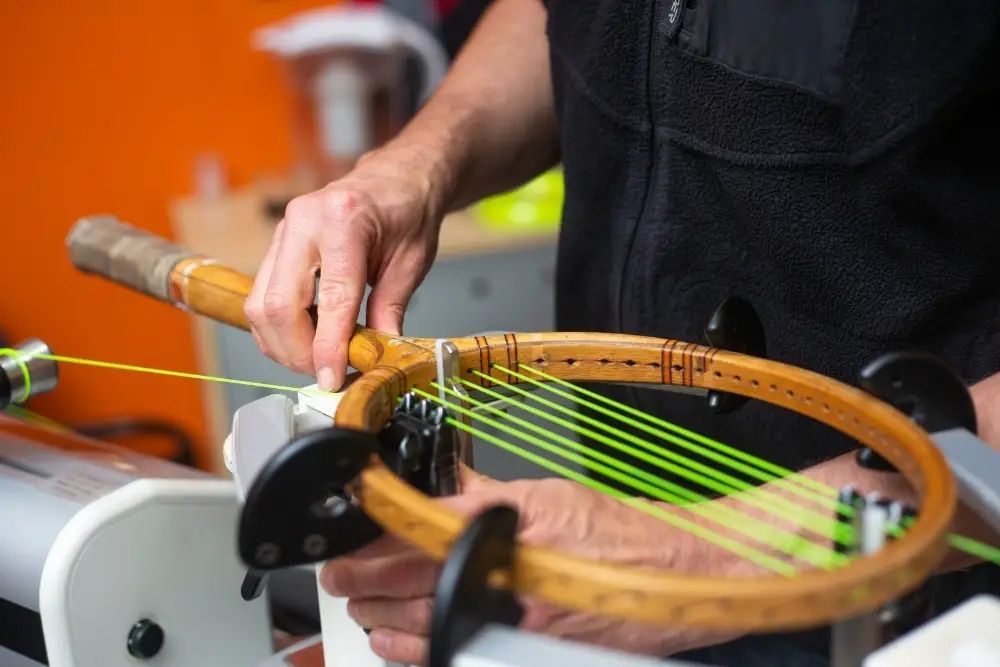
<point x="535" y="206"/>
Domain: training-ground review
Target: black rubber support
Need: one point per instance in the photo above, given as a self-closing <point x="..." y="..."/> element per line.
<point x="735" y="326"/>
<point x="298" y="511"/>
<point x="922" y="386"/>
<point x="464" y="602"/>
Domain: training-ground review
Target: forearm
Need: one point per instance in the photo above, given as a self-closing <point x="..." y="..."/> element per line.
<point x="490" y="126"/>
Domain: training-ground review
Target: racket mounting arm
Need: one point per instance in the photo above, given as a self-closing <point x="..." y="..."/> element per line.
<point x="875" y="522"/>
<point x="464" y="601"/>
<point x="300" y="508"/>
<point x="734" y="326"/>
<point x="922" y="386"/>
<point x="451" y="391"/>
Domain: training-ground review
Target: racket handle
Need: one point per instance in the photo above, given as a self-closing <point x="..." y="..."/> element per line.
<point x="145" y="263"/>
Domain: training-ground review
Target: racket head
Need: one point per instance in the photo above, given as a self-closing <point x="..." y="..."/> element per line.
<point x="675" y="599"/>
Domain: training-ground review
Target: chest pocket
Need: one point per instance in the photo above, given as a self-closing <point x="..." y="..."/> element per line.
<point x="784" y="42"/>
<point x="801" y="82"/>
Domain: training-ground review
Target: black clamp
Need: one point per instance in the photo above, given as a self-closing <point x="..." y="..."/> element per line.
<point x="735" y="326"/>
<point x="923" y="387"/>
<point x="422" y="447"/>
<point x="464" y="602"/>
<point x="299" y="509"/>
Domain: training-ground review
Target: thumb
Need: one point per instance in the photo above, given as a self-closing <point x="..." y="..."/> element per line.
<point x="472" y="480"/>
<point x="479" y="493"/>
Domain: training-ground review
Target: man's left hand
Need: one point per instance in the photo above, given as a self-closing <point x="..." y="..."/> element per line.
<point x="390" y="585"/>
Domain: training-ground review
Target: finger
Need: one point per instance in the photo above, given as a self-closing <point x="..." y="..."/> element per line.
<point x="479" y="493"/>
<point x="386" y="545"/>
<point x="396" y="646"/>
<point x="411" y="615"/>
<point x="344" y="248"/>
<point x="473" y="480"/>
<point x="392" y="291"/>
<point x="253" y="308"/>
<point x="290" y="290"/>
<point x="404" y="575"/>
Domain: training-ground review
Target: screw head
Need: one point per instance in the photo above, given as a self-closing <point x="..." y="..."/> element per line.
<point x="267" y="553"/>
<point x="145" y="639"/>
<point x="314" y="545"/>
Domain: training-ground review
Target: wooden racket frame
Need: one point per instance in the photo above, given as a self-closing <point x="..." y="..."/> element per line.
<point x="393" y="365"/>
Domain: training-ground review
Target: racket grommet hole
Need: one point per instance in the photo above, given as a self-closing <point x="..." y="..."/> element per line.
<point x="677" y="368"/>
<point x="790" y="393"/>
<point x="604" y="362"/>
<point x="754" y="384"/>
<point x="826" y="407"/>
<point x="736" y="378"/>
<point x="654" y="364"/>
<point x="774" y="387"/>
<point x="718" y="374"/>
<point x="573" y="362"/>
<point x="630" y="363"/>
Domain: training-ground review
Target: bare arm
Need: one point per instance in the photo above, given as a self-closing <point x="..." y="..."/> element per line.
<point x="491" y="124"/>
<point x="489" y="127"/>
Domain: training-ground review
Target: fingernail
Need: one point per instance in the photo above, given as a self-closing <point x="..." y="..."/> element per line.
<point x="379" y="642"/>
<point x="325" y="379"/>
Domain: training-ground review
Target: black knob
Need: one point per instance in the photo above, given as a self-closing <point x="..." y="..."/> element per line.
<point x="145" y="639"/>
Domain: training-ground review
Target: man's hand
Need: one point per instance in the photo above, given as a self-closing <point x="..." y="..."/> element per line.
<point x="391" y="586"/>
<point x="378" y="226"/>
<point x="489" y="127"/>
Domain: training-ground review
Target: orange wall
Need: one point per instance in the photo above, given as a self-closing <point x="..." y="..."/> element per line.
<point x="104" y="106"/>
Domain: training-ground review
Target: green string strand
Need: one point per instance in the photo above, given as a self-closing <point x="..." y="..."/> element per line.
<point x="152" y="371"/>
<point x="778" y="473"/>
<point x="739" y="548"/>
<point x="788" y="542"/>
<point x="958" y="542"/>
<point x="748" y="493"/>
<point x="825" y="526"/>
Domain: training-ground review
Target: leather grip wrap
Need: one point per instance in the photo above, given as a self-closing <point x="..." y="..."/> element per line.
<point x="104" y="246"/>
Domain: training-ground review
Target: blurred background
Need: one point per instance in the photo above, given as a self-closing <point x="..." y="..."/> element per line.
<point x="198" y="120"/>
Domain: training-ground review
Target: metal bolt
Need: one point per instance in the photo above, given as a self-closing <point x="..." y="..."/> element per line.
<point x="314" y="545"/>
<point x="267" y="553"/>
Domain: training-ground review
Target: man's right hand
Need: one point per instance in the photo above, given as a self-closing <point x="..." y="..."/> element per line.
<point x="489" y="127"/>
<point x="378" y="225"/>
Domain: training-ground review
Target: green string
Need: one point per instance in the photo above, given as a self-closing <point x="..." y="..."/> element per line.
<point x="23" y="366"/>
<point x="790" y="543"/>
<point x="958" y="542"/>
<point x="739" y="548"/>
<point x="777" y="471"/>
<point x="751" y="495"/>
<point x="19" y="356"/>
<point x="968" y="545"/>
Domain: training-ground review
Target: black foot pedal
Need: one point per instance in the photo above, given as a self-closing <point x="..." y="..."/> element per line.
<point x="922" y="386"/>
<point x="735" y="326"/>
<point x="464" y="602"/>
